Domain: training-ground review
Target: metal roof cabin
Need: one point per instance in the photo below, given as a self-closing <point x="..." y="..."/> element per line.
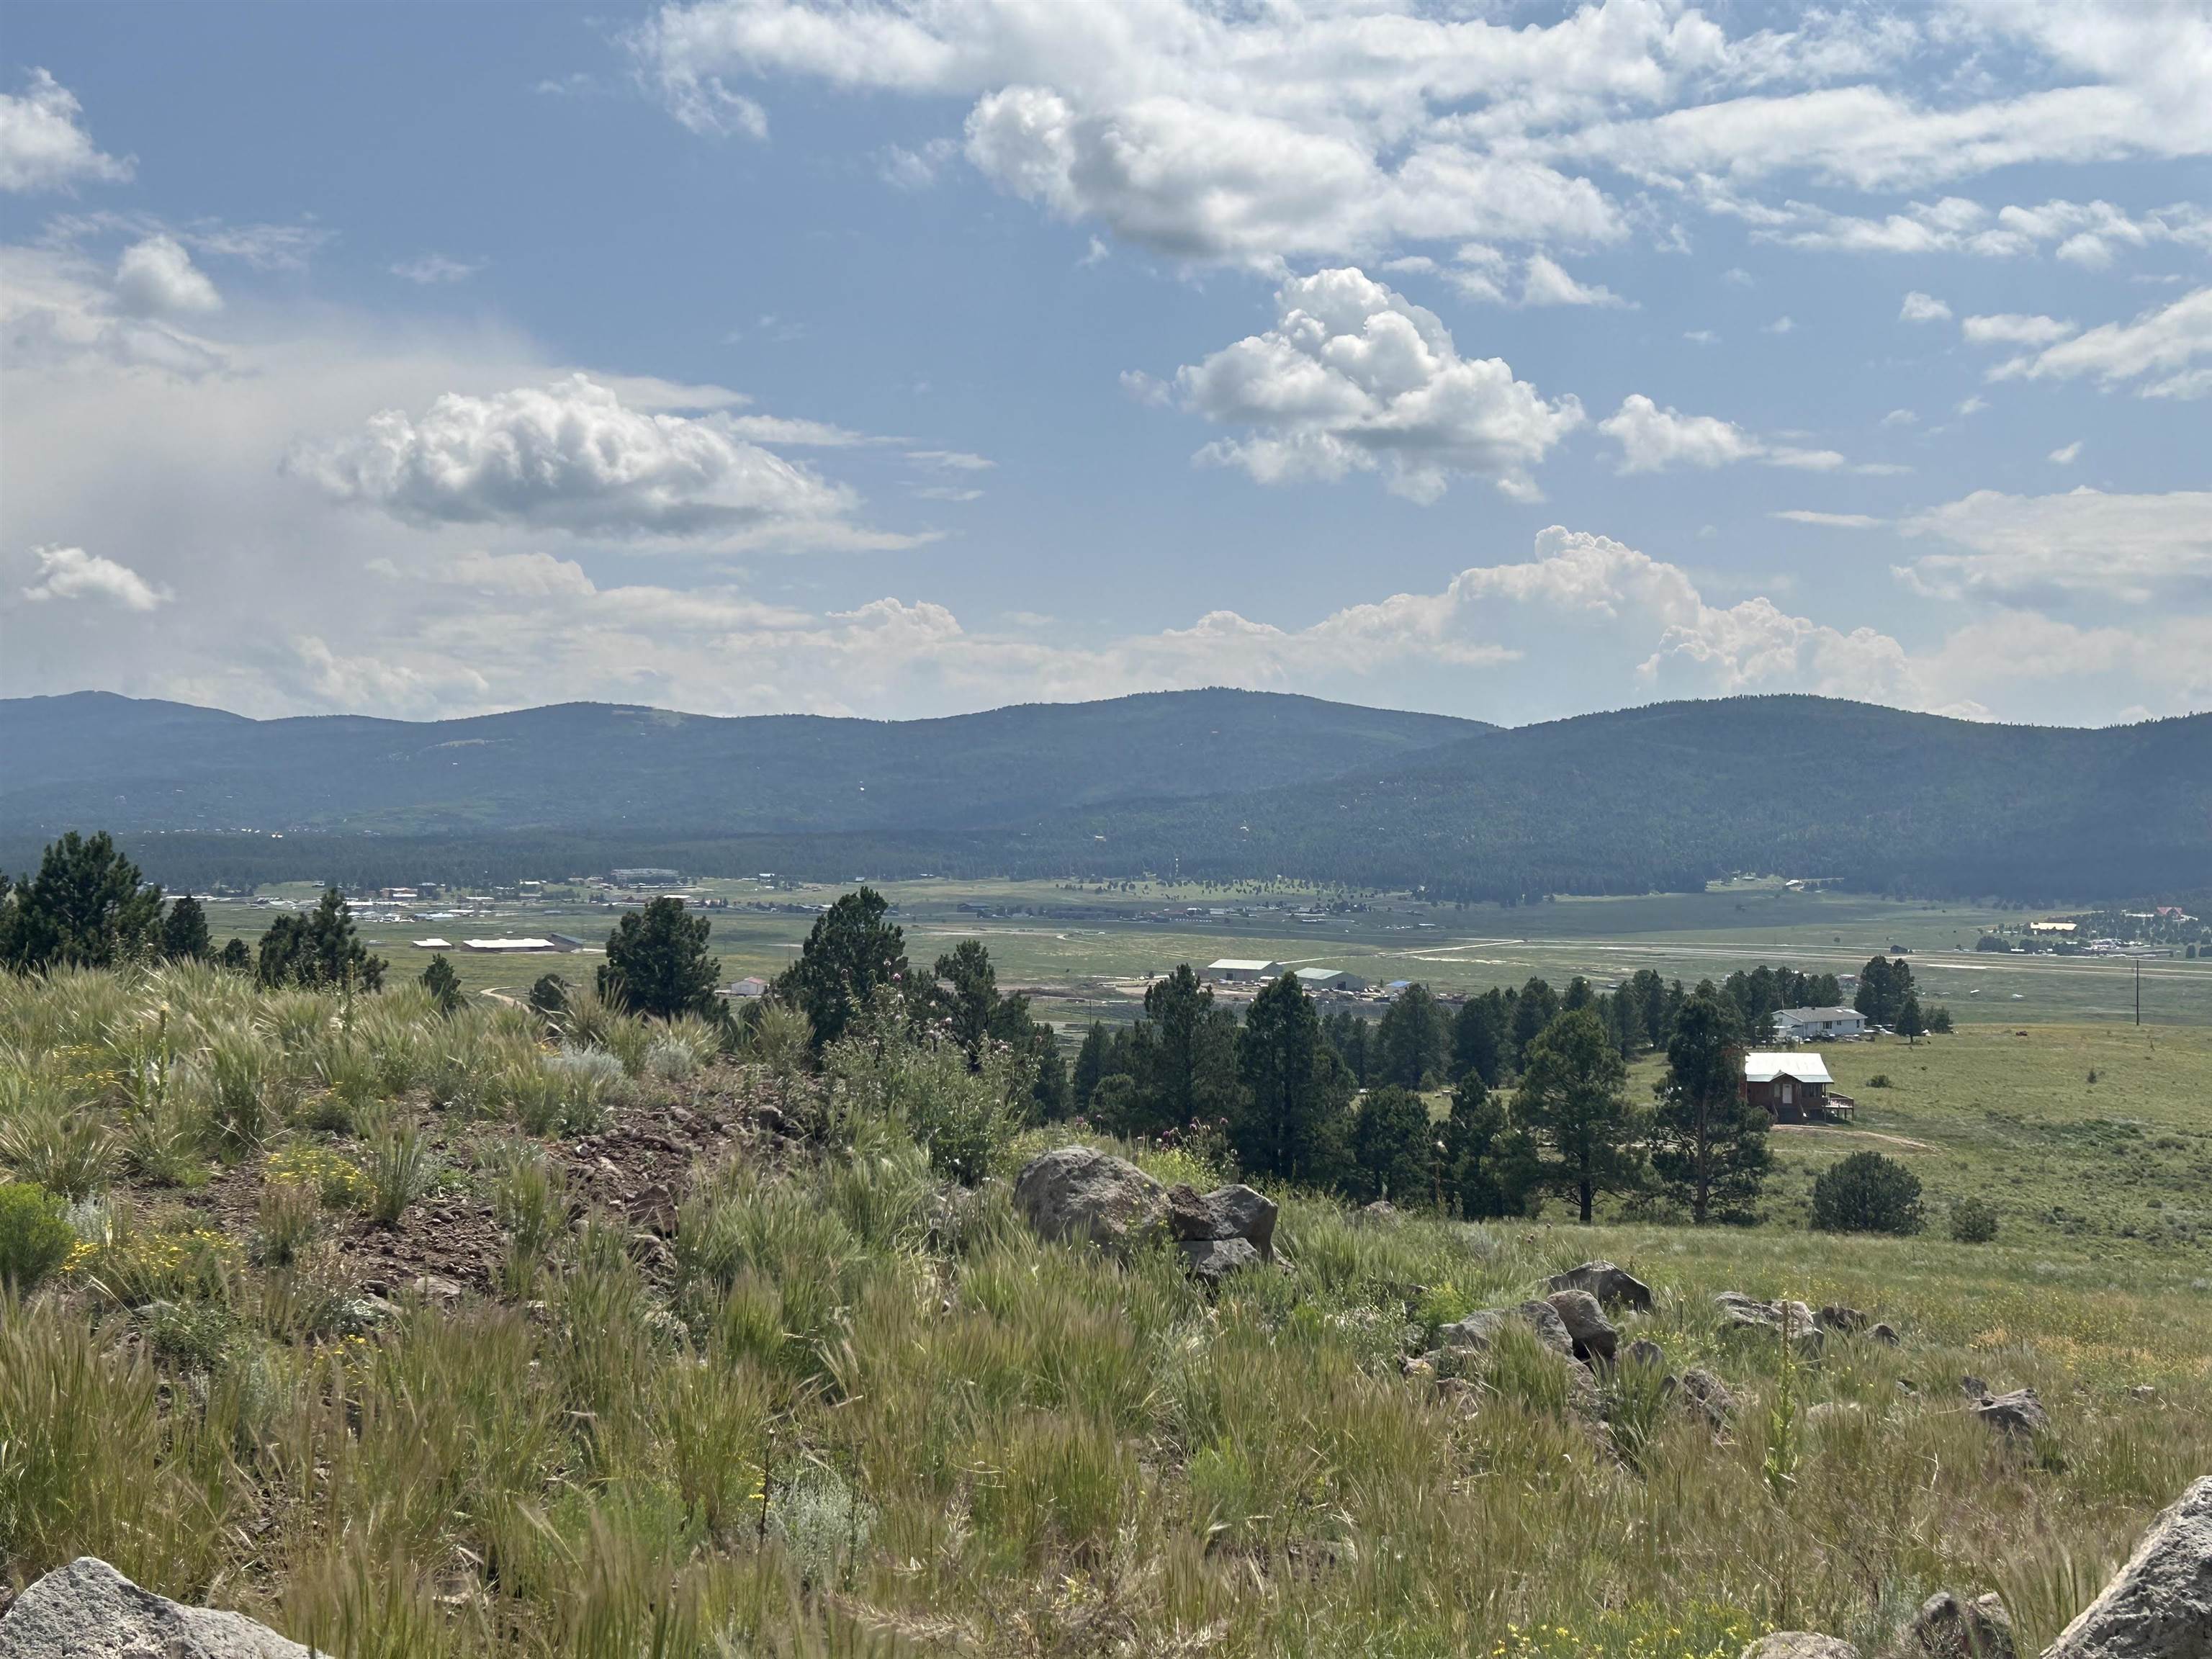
<point x="1232" y="970"/>
<point x="1794" y="1088"/>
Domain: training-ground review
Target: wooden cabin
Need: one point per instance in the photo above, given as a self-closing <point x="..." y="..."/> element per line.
<point x="1794" y="1088"/>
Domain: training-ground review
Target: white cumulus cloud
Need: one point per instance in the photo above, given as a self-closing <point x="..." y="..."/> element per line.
<point x="1355" y="377"/>
<point x="157" y="278"/>
<point x="43" y="143"/>
<point x="573" y="456"/>
<point x="2165" y="343"/>
<point x="70" y="572"/>
<point x="1653" y="439"/>
<point x="2133" y="547"/>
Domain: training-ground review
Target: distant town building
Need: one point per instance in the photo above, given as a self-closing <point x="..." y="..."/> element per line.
<point x="509" y="947"/>
<point x="644" y="876"/>
<point x="1793" y="1088"/>
<point x="2061" y="928"/>
<point x="752" y="985"/>
<point x="1818" y="1024"/>
<point x="433" y="944"/>
<point x="1330" y="979"/>
<point x="1236" y="970"/>
<point x="565" y="941"/>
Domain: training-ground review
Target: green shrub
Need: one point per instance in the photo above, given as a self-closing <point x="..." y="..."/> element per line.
<point x="1867" y="1192"/>
<point x="1973" y="1220"/>
<point x="1879" y="1080"/>
<point x="35" y="1234"/>
<point x="69" y="1151"/>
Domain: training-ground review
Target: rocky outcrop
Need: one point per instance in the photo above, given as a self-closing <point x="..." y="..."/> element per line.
<point x="1842" y="1317"/>
<point x="1799" y="1644"/>
<point x="2017" y="1414"/>
<point x="1946" y="1627"/>
<point x="1612" y="1286"/>
<point x="87" y="1610"/>
<point x="2160" y="1604"/>
<point x="1232" y="1211"/>
<point x="1591" y="1333"/>
<point x="1078" y="1193"/>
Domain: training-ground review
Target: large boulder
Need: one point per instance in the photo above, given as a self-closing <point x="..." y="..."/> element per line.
<point x="1232" y="1211"/>
<point x="1213" y="1259"/>
<point x="1614" y="1286"/>
<point x="1799" y="1644"/>
<point x="1077" y="1194"/>
<point x="2160" y="1605"/>
<point x="87" y="1610"/>
<point x="1708" y="1396"/>
<point x="1592" y="1334"/>
<point x="2017" y="1414"/>
<point x="1946" y="1627"/>
<point x="1480" y="1329"/>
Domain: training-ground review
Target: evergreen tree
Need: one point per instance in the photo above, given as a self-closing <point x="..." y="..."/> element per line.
<point x="1910" y="1024"/>
<point x="1291" y="1121"/>
<point x="1570" y="1093"/>
<point x="1411" y="1037"/>
<point x="1089" y="1066"/>
<point x="550" y="995"/>
<point x="443" y="984"/>
<point x="657" y="963"/>
<point x="1580" y="995"/>
<point x="236" y="957"/>
<point x="317" y="952"/>
<point x="1394" y="1147"/>
<point x="1709" y="1143"/>
<point x="1884" y="983"/>
<point x="850" y="954"/>
<point x="1535" y="1007"/>
<point x="967" y="997"/>
<point x="1185" y="1056"/>
<point x="184" y="931"/>
<point x="1352" y="1039"/>
<point x="1479" y="1037"/>
<point x="1491" y="1167"/>
<point x="87" y="908"/>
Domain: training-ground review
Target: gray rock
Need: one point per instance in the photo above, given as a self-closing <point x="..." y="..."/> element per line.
<point x="1480" y="1327"/>
<point x="1885" y="1335"/>
<point x="1213" y="1259"/>
<point x="1646" y="1352"/>
<point x="1835" y="1411"/>
<point x="1740" y="1312"/>
<point x="1234" y="1211"/>
<point x="1246" y="1214"/>
<point x="1708" y="1396"/>
<point x="1841" y="1316"/>
<point x="2160" y="1605"/>
<point x="1591" y="1333"/>
<point x="1973" y="1387"/>
<point x="1799" y="1644"/>
<point x="1381" y="1214"/>
<point x="2018" y="1413"/>
<point x="1077" y="1193"/>
<point x="87" y="1610"/>
<point x="1948" y="1628"/>
<point x="1612" y="1286"/>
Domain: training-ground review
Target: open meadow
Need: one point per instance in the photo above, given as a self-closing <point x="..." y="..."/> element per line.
<point x="1084" y="952"/>
<point x="422" y="1334"/>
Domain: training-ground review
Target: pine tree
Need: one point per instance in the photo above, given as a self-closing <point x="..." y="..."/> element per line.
<point x="87" y="908"/>
<point x="184" y="931"/>
<point x="851" y="954"/>
<point x="1570" y="1093"/>
<point x="657" y="963"/>
<point x="1709" y="1143"/>
<point x="1910" y="1024"/>
<point x="443" y="984"/>
<point x="1394" y="1147"/>
<point x="1411" y="1037"/>
<point x="1479" y="1037"/>
<point x="317" y="952"/>
<point x="1491" y="1166"/>
<point x="1292" y="1119"/>
<point x="1089" y="1066"/>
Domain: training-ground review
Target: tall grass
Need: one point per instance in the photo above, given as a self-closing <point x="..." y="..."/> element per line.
<point x="859" y="1407"/>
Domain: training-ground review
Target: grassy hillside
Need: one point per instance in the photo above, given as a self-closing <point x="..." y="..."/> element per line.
<point x="644" y="773"/>
<point x="631" y="1367"/>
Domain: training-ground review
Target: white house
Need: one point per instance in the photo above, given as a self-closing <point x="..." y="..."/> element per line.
<point x="1235" y="971"/>
<point x="509" y="947"/>
<point x="746" y="988"/>
<point x="1818" y="1024"/>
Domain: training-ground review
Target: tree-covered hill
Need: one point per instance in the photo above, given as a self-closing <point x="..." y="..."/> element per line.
<point x="127" y="765"/>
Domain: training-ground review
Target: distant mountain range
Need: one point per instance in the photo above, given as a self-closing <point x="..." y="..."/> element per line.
<point x="1216" y="783"/>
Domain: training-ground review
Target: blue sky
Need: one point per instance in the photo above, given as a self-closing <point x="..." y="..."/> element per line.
<point x="906" y="359"/>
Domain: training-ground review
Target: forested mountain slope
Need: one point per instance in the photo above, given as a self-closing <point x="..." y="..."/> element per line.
<point x="128" y="764"/>
<point x="1671" y="795"/>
